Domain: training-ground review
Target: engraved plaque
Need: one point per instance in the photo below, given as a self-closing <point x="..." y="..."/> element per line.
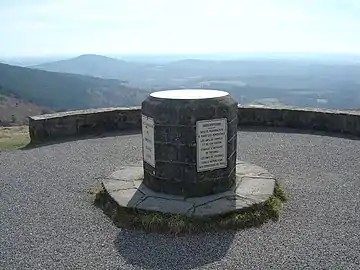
<point x="148" y="140"/>
<point x="211" y="140"/>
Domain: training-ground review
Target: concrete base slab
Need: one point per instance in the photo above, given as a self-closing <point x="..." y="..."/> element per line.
<point x="255" y="185"/>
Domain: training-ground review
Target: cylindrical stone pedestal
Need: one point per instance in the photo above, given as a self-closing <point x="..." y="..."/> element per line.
<point x="189" y="142"/>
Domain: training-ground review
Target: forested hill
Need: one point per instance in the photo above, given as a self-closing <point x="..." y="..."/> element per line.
<point x="62" y="91"/>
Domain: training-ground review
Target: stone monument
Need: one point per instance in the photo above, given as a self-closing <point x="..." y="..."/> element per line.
<point x="189" y="143"/>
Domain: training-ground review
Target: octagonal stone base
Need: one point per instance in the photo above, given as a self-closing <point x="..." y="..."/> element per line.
<point x="254" y="185"/>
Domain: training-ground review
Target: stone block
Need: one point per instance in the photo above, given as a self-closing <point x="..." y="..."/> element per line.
<point x="219" y="207"/>
<point x="164" y="205"/>
<point x="129" y="198"/>
<point x="256" y="186"/>
<point x="114" y="185"/>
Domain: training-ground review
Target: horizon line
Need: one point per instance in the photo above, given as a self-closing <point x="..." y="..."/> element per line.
<point x="183" y="53"/>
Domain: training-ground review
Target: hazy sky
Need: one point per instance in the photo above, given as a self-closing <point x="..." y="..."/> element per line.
<point x="43" y="27"/>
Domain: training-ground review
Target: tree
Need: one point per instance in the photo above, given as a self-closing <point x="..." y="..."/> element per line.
<point x="13" y="119"/>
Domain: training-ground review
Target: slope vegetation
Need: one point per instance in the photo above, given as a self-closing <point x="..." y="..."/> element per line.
<point x="61" y="91"/>
<point x="15" y="111"/>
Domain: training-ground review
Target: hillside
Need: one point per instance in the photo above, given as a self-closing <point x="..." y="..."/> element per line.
<point x="60" y="91"/>
<point x="15" y="111"/>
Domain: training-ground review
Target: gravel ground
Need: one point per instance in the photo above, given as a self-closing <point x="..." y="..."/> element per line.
<point x="48" y="221"/>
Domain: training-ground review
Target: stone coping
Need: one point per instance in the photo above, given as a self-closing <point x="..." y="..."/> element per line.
<point x="303" y="109"/>
<point x="82" y="112"/>
<point x="255" y="185"/>
<point x="138" y="108"/>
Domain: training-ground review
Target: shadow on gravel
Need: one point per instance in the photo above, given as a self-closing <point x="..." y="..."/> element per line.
<point x="84" y="137"/>
<point x="161" y="251"/>
<point x="298" y="131"/>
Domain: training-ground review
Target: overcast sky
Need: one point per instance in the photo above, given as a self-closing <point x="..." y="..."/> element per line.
<point x="45" y="27"/>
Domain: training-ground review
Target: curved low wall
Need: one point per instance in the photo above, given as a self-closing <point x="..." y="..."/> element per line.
<point x="49" y="127"/>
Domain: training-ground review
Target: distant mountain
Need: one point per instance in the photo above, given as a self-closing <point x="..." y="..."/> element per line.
<point x="31" y="60"/>
<point x="60" y="91"/>
<point x="334" y="58"/>
<point x="92" y="65"/>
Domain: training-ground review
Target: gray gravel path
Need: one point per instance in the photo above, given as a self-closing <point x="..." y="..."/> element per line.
<point x="48" y="222"/>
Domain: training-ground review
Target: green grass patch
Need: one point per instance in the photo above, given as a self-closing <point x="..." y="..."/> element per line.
<point x="180" y="224"/>
<point x="15" y="137"/>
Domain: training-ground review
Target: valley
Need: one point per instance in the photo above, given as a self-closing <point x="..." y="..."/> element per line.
<point x="94" y="81"/>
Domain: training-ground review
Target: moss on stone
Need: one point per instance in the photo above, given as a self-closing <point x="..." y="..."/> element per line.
<point x="179" y="224"/>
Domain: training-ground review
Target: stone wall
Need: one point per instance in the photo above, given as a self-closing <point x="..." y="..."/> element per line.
<point x="347" y="122"/>
<point x="49" y="127"/>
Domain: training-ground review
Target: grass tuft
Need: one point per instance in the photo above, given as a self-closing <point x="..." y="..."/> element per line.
<point x="279" y="193"/>
<point x="15" y="137"/>
<point x="179" y="224"/>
